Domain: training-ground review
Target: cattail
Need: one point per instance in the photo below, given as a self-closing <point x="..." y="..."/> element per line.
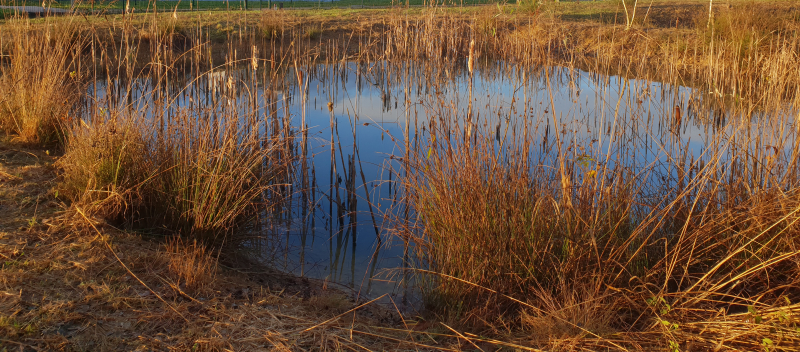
<point x="300" y="77"/>
<point x="254" y="58"/>
<point x="469" y="133"/>
<point x="471" y="60"/>
<point x="566" y="189"/>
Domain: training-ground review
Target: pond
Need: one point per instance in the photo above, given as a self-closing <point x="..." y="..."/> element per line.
<point x="355" y="125"/>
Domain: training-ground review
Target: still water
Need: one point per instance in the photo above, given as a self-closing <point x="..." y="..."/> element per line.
<point x="355" y="123"/>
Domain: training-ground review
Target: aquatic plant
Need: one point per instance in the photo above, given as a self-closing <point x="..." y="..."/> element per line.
<point x="522" y="231"/>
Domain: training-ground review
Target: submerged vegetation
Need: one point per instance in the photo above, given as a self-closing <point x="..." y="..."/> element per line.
<point x="529" y="224"/>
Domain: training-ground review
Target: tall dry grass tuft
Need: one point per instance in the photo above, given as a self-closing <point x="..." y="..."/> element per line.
<point x="675" y="251"/>
<point x="164" y="154"/>
<point x="104" y="166"/>
<point x="494" y="219"/>
<point x="39" y="85"/>
<point x="209" y="177"/>
<point x="198" y="179"/>
<point x="272" y="25"/>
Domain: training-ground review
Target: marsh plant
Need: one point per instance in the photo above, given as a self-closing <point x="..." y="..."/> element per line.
<point x="604" y="238"/>
<point x="192" y="178"/>
<point x="40" y="83"/>
<point x="524" y="226"/>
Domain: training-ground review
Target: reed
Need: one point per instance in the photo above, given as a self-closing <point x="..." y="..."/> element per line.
<point x="144" y="158"/>
<point x="743" y="55"/>
<point x="201" y="180"/>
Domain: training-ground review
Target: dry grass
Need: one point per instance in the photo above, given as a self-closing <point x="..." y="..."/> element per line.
<point x="69" y="293"/>
<point x="103" y="165"/>
<point x="546" y="250"/>
<point x="599" y="250"/>
<point x="192" y="267"/>
<point x="273" y="24"/>
<point x="586" y="255"/>
<point x="741" y="55"/>
<point x="608" y="265"/>
<point x="201" y="180"/>
<point x="71" y="283"/>
<point x="745" y="43"/>
<point x="573" y="313"/>
<point x="39" y="85"/>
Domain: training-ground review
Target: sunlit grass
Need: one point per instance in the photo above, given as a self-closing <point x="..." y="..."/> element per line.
<point x="550" y="249"/>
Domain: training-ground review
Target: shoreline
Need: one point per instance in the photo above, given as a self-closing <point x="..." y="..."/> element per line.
<point x="63" y="288"/>
<point x="72" y="281"/>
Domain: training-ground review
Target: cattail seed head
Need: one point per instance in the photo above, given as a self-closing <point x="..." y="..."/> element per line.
<point x="471" y="60"/>
<point x="254" y="58"/>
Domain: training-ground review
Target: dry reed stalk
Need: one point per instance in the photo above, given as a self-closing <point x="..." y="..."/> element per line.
<point x="471" y="60"/>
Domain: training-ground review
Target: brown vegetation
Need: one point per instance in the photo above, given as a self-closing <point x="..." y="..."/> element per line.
<point x="39" y="81"/>
<point x="555" y="242"/>
<point x="549" y="249"/>
<point x="68" y="283"/>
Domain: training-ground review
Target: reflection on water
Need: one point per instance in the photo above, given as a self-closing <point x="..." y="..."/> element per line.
<point x="351" y="125"/>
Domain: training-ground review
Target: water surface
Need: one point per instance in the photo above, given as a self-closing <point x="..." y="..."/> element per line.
<point x="354" y="124"/>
